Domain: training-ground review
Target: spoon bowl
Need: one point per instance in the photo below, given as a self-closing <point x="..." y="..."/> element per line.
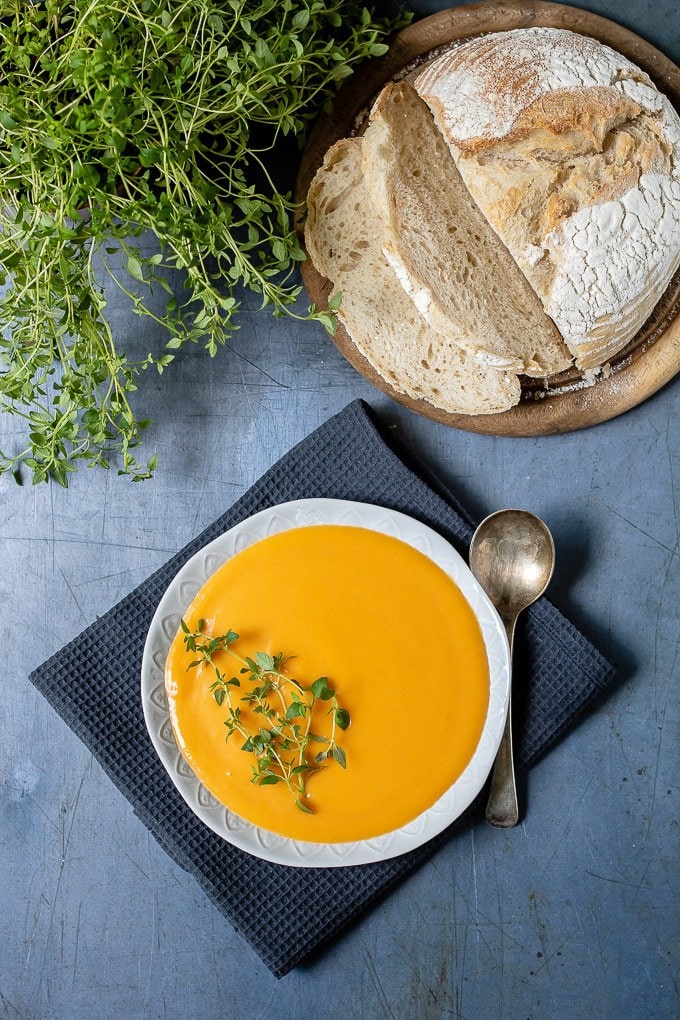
<point x="512" y="555"/>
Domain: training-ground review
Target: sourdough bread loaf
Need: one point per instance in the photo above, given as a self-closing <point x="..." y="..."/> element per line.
<point x="343" y="235"/>
<point x="460" y="275"/>
<point x="573" y="156"/>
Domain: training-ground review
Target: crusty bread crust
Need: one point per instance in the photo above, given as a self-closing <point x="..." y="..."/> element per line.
<point x="342" y="235"/>
<point x="573" y="156"/>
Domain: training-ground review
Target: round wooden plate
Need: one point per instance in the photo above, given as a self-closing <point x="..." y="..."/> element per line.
<point x="649" y="361"/>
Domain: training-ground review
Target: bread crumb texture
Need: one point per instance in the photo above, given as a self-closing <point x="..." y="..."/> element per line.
<point x="452" y="264"/>
<point x="573" y="156"/>
<point x="343" y="235"/>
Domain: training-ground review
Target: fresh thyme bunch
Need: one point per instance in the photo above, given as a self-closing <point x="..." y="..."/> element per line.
<point x="120" y="116"/>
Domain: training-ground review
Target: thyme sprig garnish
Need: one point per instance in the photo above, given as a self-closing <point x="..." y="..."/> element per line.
<point x="287" y="708"/>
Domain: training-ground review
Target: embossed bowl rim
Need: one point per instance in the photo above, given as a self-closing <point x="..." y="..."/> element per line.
<point x="181" y="592"/>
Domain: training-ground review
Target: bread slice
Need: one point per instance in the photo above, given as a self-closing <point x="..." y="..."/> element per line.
<point x="342" y="235"/>
<point x="447" y="257"/>
<point x="573" y="156"/>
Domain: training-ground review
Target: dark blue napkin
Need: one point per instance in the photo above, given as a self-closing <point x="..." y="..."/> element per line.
<point x="287" y="913"/>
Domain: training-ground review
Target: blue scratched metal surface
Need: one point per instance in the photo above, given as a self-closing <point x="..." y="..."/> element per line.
<point x="572" y="914"/>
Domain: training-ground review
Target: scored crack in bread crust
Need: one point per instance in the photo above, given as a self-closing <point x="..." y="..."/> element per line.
<point x="342" y="235"/>
<point x="573" y="156"/>
<point x="452" y="264"/>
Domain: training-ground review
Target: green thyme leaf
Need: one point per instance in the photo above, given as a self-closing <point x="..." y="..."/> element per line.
<point x="339" y="756"/>
<point x="320" y="689"/>
<point x="342" y="718"/>
<point x="303" y="807"/>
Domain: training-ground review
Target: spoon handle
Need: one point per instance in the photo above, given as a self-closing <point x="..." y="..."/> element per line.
<point x="502" y="809"/>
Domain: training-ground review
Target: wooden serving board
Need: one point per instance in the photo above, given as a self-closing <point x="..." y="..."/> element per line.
<point x="649" y="361"/>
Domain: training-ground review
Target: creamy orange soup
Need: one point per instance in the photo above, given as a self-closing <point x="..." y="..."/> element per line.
<point x="398" y="642"/>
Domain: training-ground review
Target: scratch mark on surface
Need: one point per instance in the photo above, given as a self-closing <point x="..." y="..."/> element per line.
<point x="466" y="925"/>
<point x="436" y="868"/>
<point x="75" y="948"/>
<point x="548" y="958"/>
<point x="152" y="947"/>
<point x="619" y="881"/>
<point x="263" y="1012"/>
<point x="499" y="900"/>
<point x="66" y="839"/>
<point x="474" y="882"/>
<point x="106" y="503"/>
<point x="246" y="393"/>
<point x="474" y="869"/>
<point x="138" y="866"/>
<point x="52" y="523"/>
<point x="152" y="872"/>
<point x="102" y="577"/>
<point x="32" y="936"/>
<point x="377" y="984"/>
<point x="206" y="480"/>
<point x="560" y="841"/>
<point x="585" y="940"/>
<point x="93" y="542"/>
<point x="674" y="488"/>
<point x="642" y="880"/>
<point x="599" y="942"/>
<point x="651" y="538"/>
<point x="662" y="721"/>
<point x="258" y="368"/>
<point x="539" y="926"/>
<point x="658" y="610"/>
<point x="73" y="596"/>
<point x="10" y="1005"/>
<point x="44" y="813"/>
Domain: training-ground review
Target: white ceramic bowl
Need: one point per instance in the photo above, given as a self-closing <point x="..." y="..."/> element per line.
<point x="182" y="591"/>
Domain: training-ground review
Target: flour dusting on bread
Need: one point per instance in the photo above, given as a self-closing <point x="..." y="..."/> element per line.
<point x="480" y="88"/>
<point x="573" y="156"/>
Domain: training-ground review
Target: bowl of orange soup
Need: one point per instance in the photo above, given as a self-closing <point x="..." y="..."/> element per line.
<point x="410" y="652"/>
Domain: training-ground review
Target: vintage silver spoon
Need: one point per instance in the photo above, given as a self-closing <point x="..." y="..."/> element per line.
<point x="512" y="555"/>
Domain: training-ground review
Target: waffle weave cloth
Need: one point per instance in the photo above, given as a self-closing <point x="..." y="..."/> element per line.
<point x="286" y="913"/>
